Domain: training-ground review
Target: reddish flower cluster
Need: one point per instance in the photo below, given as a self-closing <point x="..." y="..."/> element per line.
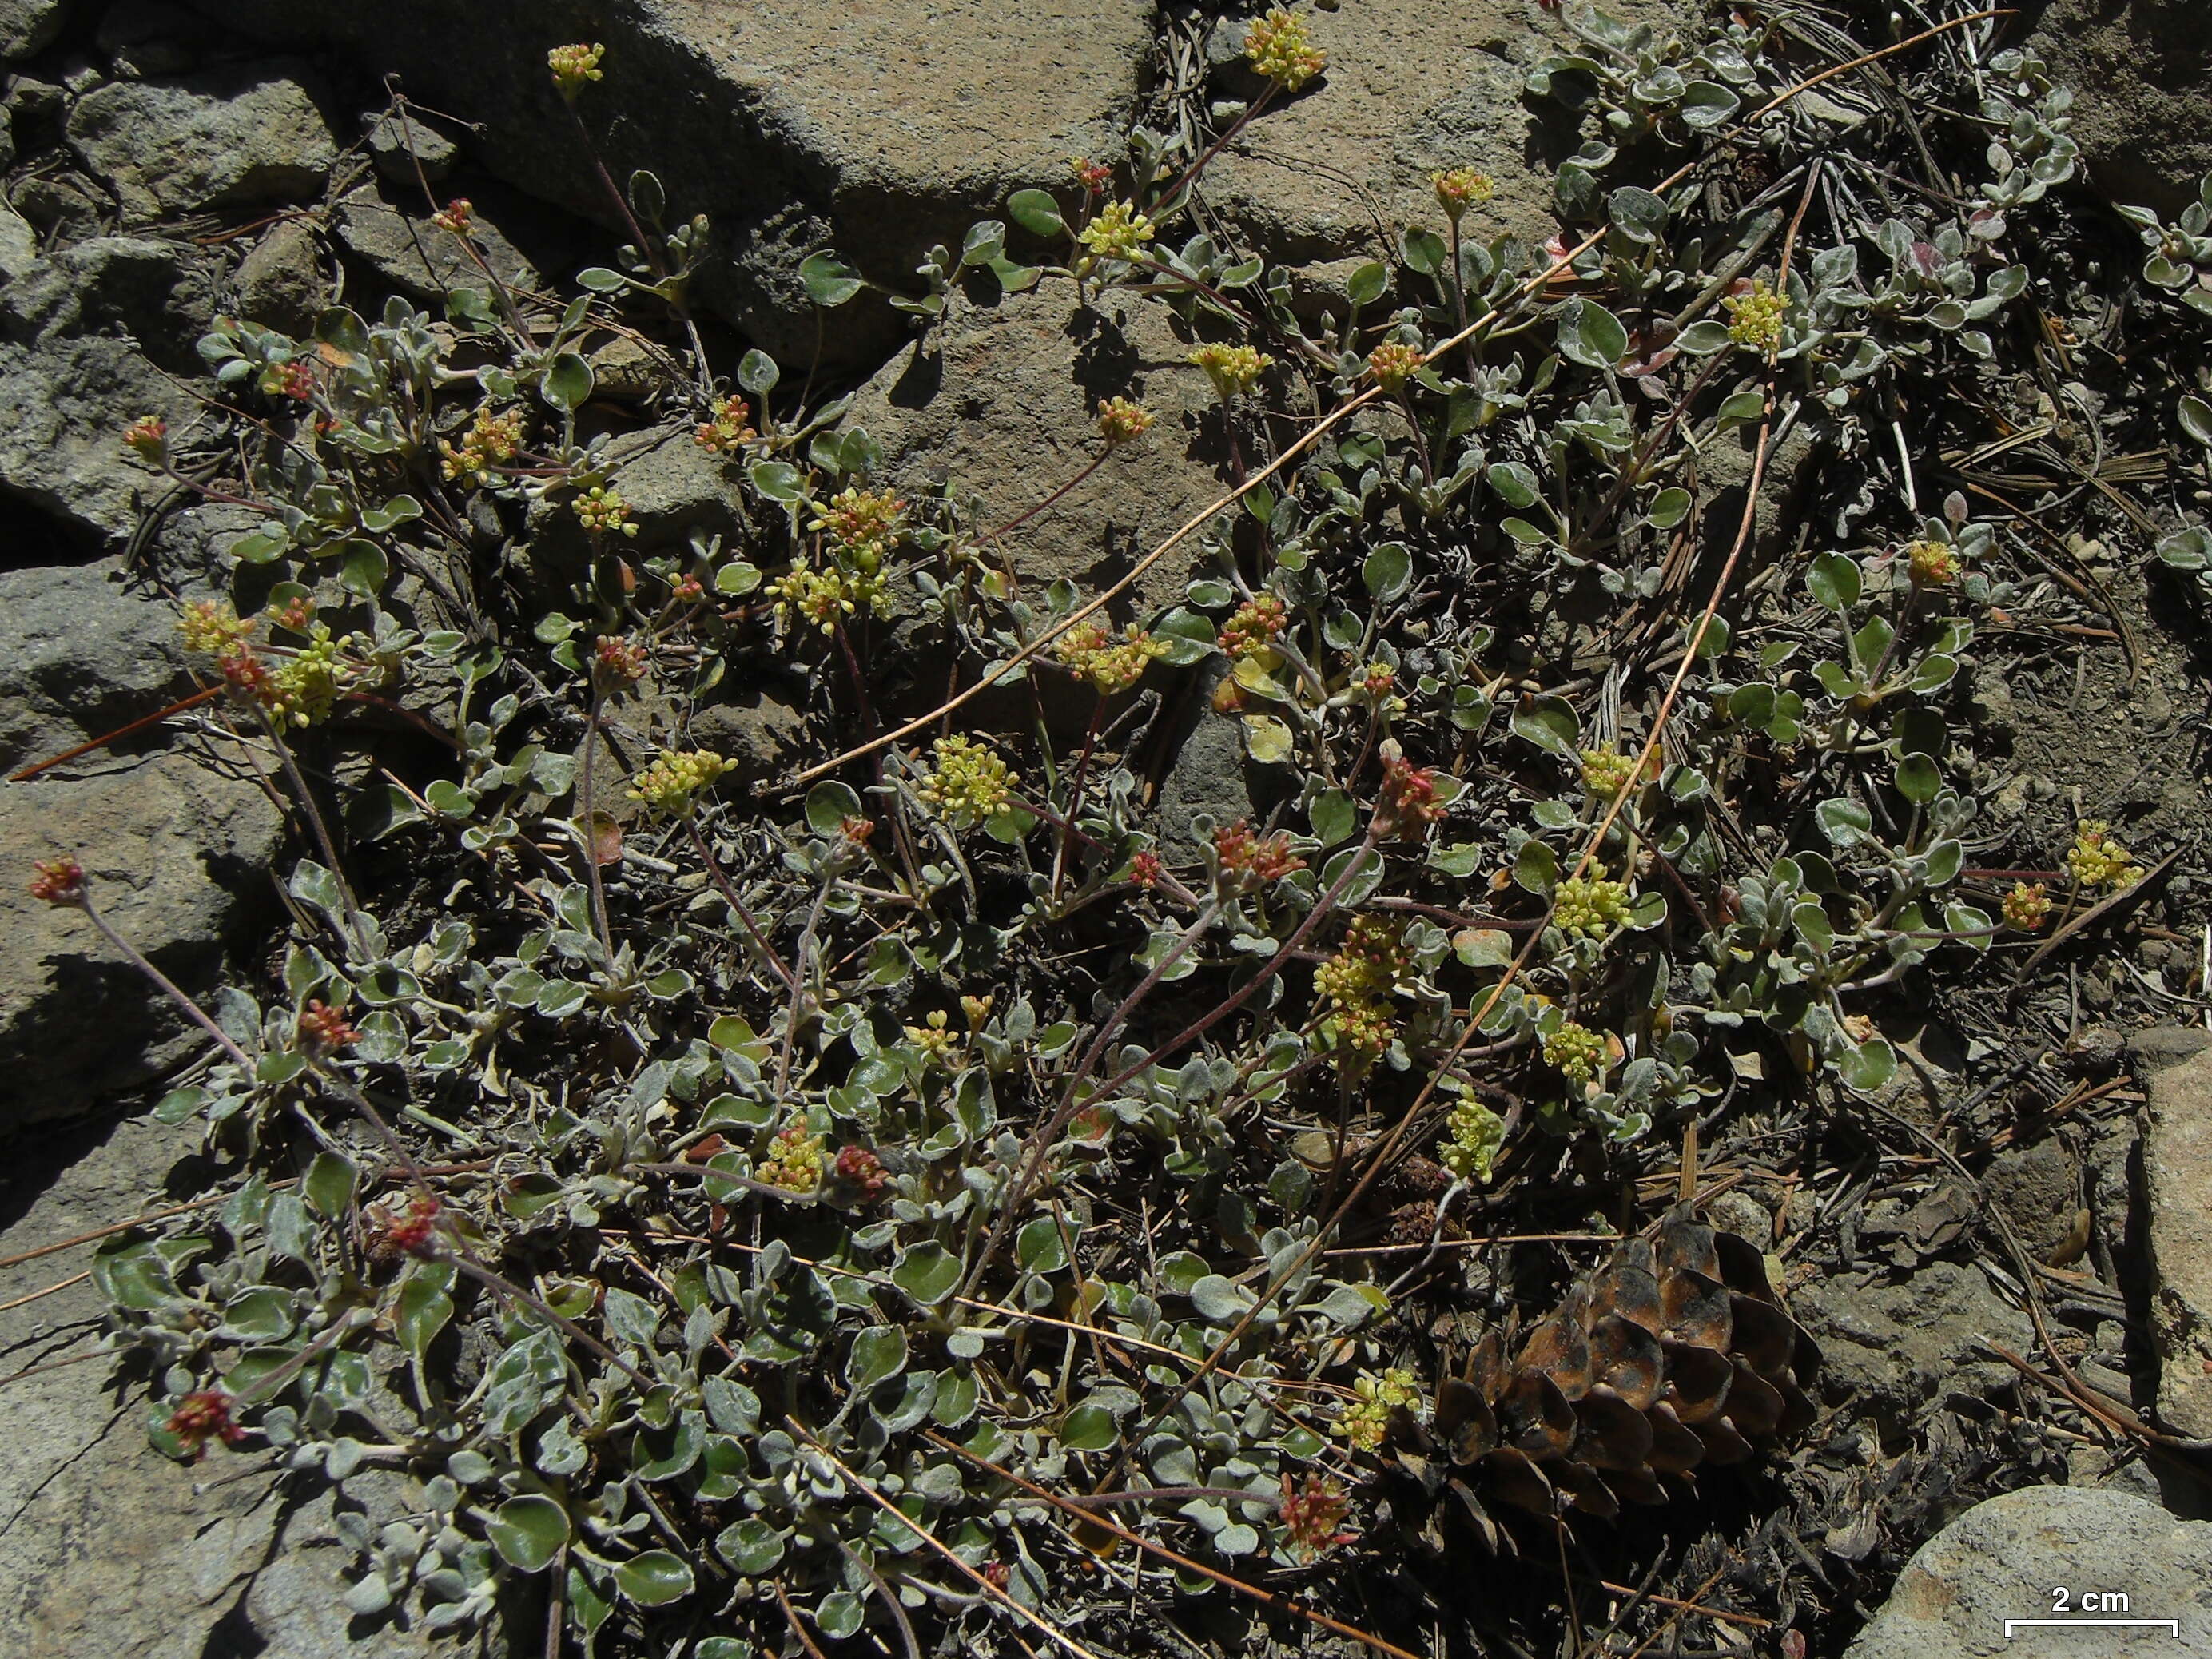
<point x="201" y="1417"/>
<point x="621" y="660"/>
<point x="293" y="379"/>
<point x="686" y="591"/>
<point x="1253" y="626"/>
<point x="457" y="215"/>
<point x="1242" y="854"/>
<point x="326" y="1029"/>
<point x="1145" y="868"/>
<point x="1407" y="803"/>
<point x="731" y="428"/>
<point x="1311" y="1513"/>
<point x="57" y="881"/>
<point x="860" y="1169"/>
<point x="296" y="613"/>
<point x="245" y="674"/>
<point x="148" y="438"/>
<point x="412" y="1232"/>
<point x="1093" y="176"/>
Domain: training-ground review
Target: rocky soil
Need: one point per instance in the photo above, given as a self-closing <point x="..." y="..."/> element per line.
<point x="165" y="163"/>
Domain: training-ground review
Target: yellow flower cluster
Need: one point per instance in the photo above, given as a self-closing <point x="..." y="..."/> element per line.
<point x="668" y="785"/>
<point x="211" y="627"/>
<point x="1120" y="421"/>
<point x="968" y="784"/>
<point x="604" y="512"/>
<point x="934" y="1037"/>
<point x="1367" y="1420"/>
<point x="1577" y="1053"/>
<point x="574" y="66"/>
<point x="794" y="1160"/>
<point x="1461" y="189"/>
<point x="304" y="689"/>
<point x="1231" y="368"/>
<point x="1359" y="980"/>
<point x="1755" y="317"/>
<point x="1591" y="906"/>
<point x="492" y="439"/>
<point x="1110" y="665"/>
<point x="2026" y="907"/>
<point x="731" y="428"/>
<point x="1368" y="964"/>
<point x="1392" y="363"/>
<point x="823" y="596"/>
<point x="1605" y="771"/>
<point x="2096" y="860"/>
<point x="1280" y="49"/>
<point x="1475" y="1134"/>
<point x="1117" y="231"/>
<point x="864" y="523"/>
<point x="1931" y="563"/>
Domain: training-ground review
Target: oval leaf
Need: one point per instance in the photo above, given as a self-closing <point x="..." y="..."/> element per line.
<point x="528" y="1532"/>
<point x="654" y="1578"/>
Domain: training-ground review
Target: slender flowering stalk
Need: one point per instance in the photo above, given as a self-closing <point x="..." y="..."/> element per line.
<point x="62" y="882"/>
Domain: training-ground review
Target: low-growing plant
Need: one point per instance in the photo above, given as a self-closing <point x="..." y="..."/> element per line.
<point x="726" y="1203"/>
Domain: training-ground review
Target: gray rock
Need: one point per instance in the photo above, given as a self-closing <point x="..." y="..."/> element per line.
<point x="242" y="133"/>
<point x="1410" y="89"/>
<point x="29" y="27"/>
<point x="177" y="844"/>
<point x="1889" y="1349"/>
<point x="68" y="399"/>
<point x="400" y="143"/>
<point x="67" y="206"/>
<point x="674" y="489"/>
<point x="158" y="292"/>
<point x="794" y="124"/>
<point x="1208" y="777"/>
<point x="1002" y="398"/>
<point x="2177" y="1151"/>
<point x="279" y="283"/>
<point x="19" y="244"/>
<point x="30" y="98"/>
<point x="2001" y="1560"/>
<point x="405" y="250"/>
<point x="2166" y="1045"/>
<point x="85" y="334"/>
<point x="2037" y="1190"/>
<point x="757" y="730"/>
<point x="106" y="1546"/>
<point x="2141" y="76"/>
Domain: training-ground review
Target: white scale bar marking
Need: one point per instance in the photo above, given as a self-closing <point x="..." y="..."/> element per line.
<point x="2171" y="1626"/>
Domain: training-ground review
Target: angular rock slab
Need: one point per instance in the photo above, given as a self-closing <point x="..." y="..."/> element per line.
<point x="1411" y="89"/>
<point x="30" y="26"/>
<point x="2177" y="1156"/>
<point x="174" y="842"/>
<point x="2001" y="1558"/>
<point x="92" y="336"/>
<point x="1000" y="402"/>
<point x="796" y="125"/>
<point x="247" y="132"/>
<point x="2141" y="76"/>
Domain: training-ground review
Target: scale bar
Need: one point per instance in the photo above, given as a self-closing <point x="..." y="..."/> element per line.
<point x="2171" y="1626"/>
